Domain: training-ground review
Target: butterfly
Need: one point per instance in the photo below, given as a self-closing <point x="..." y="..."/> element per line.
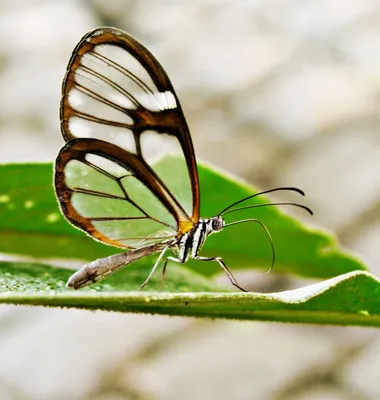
<point x="119" y="115"/>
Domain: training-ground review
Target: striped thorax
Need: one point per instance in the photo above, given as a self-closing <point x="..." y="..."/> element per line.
<point x="191" y="243"/>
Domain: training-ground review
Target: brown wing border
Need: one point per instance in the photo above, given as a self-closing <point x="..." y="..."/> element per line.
<point x="77" y="149"/>
<point x="169" y="121"/>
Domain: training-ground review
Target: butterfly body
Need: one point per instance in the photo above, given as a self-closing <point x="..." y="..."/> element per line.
<point x="119" y="116"/>
<point x="191" y="242"/>
<point x="186" y="246"/>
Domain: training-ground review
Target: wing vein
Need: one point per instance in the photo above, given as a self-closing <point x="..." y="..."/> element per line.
<point x="124" y="71"/>
<point x="101" y="170"/>
<point x="118" y="180"/>
<point x="95" y="193"/>
<point x="114" y="197"/>
<point x="115" y="218"/>
<point x="111" y="83"/>
<point x="145" y="237"/>
<point x="90" y="93"/>
<point x="103" y="121"/>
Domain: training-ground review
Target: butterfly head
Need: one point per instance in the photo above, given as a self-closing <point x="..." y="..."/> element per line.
<point x="216" y="224"/>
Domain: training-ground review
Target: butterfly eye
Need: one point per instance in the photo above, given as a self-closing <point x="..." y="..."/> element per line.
<point x="217" y="224"/>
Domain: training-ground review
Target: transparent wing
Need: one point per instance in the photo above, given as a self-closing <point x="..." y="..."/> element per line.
<point x="116" y="91"/>
<point x="115" y="197"/>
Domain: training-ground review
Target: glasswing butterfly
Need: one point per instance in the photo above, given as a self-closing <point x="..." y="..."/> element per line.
<point x="118" y="113"/>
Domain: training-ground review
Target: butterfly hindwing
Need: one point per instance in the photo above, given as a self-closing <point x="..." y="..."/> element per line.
<point x="114" y="196"/>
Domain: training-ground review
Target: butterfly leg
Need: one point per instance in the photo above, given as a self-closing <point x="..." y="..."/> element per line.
<point x="164" y="269"/>
<point x="154" y="267"/>
<point x="224" y="268"/>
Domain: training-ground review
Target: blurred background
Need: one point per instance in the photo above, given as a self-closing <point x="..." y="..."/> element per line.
<point x="282" y="92"/>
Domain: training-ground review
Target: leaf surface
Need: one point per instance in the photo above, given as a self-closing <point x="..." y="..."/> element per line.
<point x="32" y="225"/>
<point x="349" y="299"/>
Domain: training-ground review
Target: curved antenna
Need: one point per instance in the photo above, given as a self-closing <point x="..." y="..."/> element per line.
<point x="267" y="232"/>
<point x="287" y="203"/>
<point x="292" y="189"/>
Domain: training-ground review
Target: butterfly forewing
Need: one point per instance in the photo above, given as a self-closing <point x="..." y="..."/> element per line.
<point x="115" y="90"/>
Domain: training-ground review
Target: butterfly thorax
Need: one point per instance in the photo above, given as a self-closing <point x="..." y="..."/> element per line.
<point x="191" y="242"/>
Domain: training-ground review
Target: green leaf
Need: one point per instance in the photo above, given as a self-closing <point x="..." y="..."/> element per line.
<point x="349" y="299"/>
<point x="26" y="278"/>
<point x="31" y="224"/>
